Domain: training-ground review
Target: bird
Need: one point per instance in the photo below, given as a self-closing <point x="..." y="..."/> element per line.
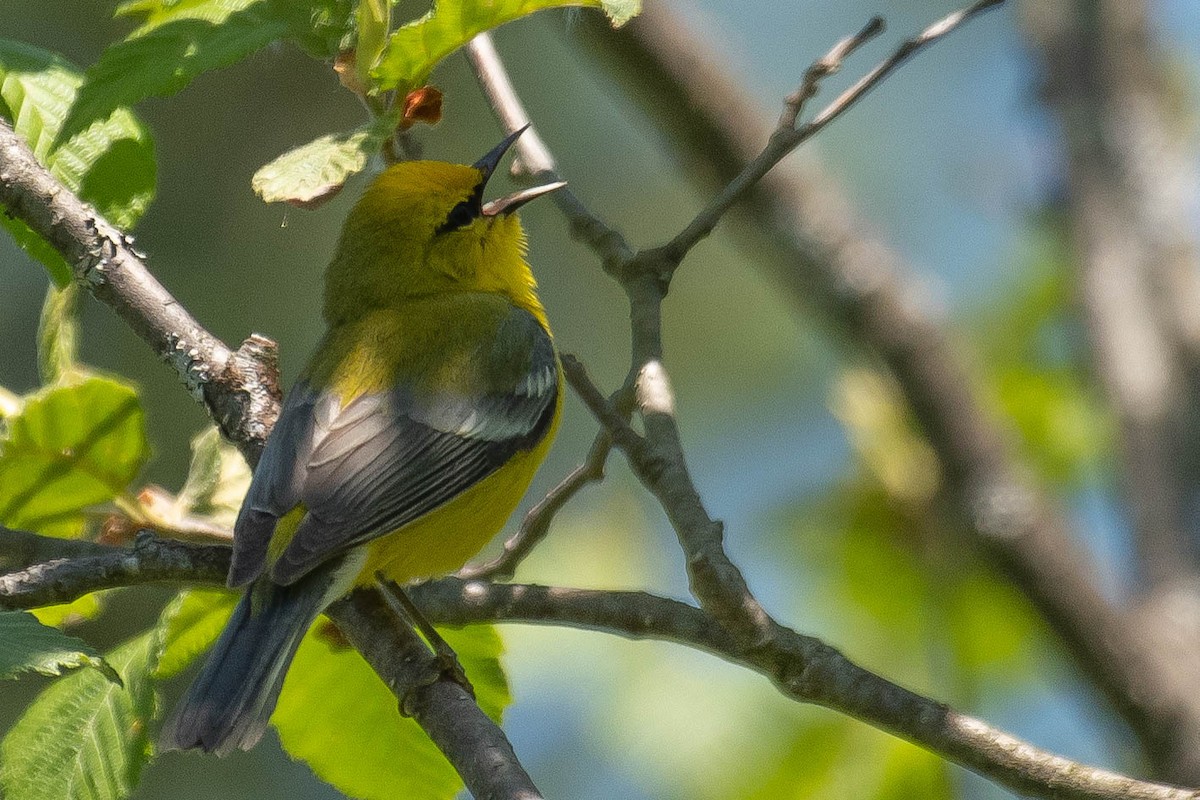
<point x="406" y="442"/>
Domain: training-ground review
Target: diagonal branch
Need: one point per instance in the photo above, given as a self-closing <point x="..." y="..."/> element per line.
<point x="536" y="524"/>
<point x="787" y="136"/>
<point x="241" y="390"/>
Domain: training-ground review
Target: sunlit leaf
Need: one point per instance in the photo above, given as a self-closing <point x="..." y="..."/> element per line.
<point x="85" y="737"/>
<point x="217" y="478"/>
<point x="416" y="48"/>
<point x="191" y="624"/>
<point x="175" y="43"/>
<point x="65" y="614"/>
<point x="27" y="645"/>
<point x="315" y="172"/>
<point x="72" y="446"/>
<point x="58" y="331"/>
<point x="110" y="163"/>
<point x="322" y="28"/>
<point x="373" y="19"/>
<point x="376" y="754"/>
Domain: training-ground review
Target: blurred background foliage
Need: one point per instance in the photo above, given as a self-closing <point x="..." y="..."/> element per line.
<point x="826" y="490"/>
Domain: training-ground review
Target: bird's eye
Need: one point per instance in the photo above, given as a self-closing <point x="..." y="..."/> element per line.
<point x="461" y="215"/>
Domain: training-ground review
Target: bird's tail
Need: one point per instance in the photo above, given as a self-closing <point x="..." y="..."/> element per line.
<point x="230" y="702"/>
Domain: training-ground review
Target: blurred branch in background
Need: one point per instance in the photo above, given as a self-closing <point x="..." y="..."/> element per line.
<point x="1130" y="194"/>
<point x="828" y="261"/>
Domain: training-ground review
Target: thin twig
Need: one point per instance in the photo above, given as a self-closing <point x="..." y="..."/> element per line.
<point x="787" y="137"/>
<point x="537" y="522"/>
<point x="534" y="156"/>
<point x="823" y="68"/>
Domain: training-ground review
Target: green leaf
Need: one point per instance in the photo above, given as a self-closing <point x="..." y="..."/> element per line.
<point x="58" y="331"/>
<point x="322" y="28"/>
<point x="85" y="738"/>
<point x="109" y="164"/>
<point x="1033" y="344"/>
<point x="376" y="753"/>
<point x="27" y="645"/>
<point x="190" y="624"/>
<point x="416" y="48"/>
<point x="329" y="687"/>
<point x="836" y="757"/>
<point x="217" y="478"/>
<point x="315" y="172"/>
<point x="176" y="43"/>
<point x="71" y="446"/>
<point x="373" y="19"/>
<point x="64" y="614"/>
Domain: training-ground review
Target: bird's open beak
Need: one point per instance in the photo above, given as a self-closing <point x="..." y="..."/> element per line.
<point x="510" y="203"/>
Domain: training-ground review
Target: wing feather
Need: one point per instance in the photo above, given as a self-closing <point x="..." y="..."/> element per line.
<point x="385" y="459"/>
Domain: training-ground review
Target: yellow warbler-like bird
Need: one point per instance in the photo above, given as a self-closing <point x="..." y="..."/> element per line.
<point x="406" y="443"/>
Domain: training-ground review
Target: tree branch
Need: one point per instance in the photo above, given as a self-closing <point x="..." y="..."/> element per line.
<point x="239" y="388"/>
<point x="826" y="258"/>
<point x="802" y="668"/>
<point x="787" y="136"/>
<point x="1131" y="235"/>
<point x="472" y="742"/>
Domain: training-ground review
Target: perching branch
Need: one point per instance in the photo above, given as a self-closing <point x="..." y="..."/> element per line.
<point x="473" y="743"/>
<point x="241" y="391"/>
<point x="802" y="668"/>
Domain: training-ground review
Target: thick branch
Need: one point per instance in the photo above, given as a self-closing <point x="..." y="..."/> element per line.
<point x="20" y="549"/>
<point x="66" y="576"/>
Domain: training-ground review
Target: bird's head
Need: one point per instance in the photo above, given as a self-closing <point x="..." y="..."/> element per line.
<point x="424" y="227"/>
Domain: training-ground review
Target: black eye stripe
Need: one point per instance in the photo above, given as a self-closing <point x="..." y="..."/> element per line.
<point x="461" y="215"/>
<point x="464" y="213"/>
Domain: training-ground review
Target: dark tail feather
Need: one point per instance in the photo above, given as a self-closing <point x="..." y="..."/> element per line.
<point x="230" y="702"/>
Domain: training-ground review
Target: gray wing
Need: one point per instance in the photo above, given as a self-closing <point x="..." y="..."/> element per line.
<point x="386" y="459"/>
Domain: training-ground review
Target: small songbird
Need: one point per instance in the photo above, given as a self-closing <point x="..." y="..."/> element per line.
<point x="406" y="443"/>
